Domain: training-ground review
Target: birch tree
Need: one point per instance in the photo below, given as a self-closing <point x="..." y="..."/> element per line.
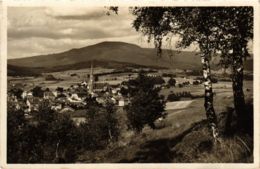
<point x="226" y="30"/>
<point x="192" y="25"/>
<point x="235" y="29"/>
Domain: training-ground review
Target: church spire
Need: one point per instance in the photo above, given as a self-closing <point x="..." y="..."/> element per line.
<point x="91" y="79"/>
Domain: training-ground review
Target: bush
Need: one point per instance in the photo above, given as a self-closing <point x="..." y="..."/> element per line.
<point x="168" y="75"/>
<point x="73" y="74"/>
<point x="16" y="92"/>
<point x="158" y="80"/>
<point x="37" y="91"/>
<point x="177" y="96"/>
<point x="60" y="89"/>
<point x="172" y="82"/>
<point x="50" y="77"/>
<point x="214" y="80"/>
<point x="173" y="97"/>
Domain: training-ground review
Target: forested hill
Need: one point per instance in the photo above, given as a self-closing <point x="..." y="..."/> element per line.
<point x="110" y="54"/>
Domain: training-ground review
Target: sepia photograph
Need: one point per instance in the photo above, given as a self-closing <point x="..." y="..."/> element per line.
<point x="130" y="84"/>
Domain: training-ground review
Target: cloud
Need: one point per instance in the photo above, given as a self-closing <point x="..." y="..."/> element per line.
<point x="87" y="33"/>
<point x="83" y="13"/>
<point x="38" y="23"/>
<point x="43" y="30"/>
<point x="76" y="13"/>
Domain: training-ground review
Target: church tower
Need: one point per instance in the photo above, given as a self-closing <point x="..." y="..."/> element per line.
<point x="91" y="79"/>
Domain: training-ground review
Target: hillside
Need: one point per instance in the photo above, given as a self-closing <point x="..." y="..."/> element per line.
<point x="108" y="54"/>
<point x="182" y="138"/>
<point x="112" y="52"/>
<point x="22" y="71"/>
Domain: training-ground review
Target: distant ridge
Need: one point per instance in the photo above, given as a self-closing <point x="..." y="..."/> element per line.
<point x="107" y="54"/>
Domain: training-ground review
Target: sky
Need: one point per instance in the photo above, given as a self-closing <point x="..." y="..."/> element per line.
<point x="36" y="31"/>
<point x="44" y="30"/>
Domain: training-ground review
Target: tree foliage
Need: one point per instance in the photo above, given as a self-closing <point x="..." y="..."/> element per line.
<point x="145" y="105"/>
<point x="16" y="92"/>
<point x="50" y="137"/>
<point x="102" y="126"/>
<point x="216" y="30"/>
<point x="172" y="82"/>
<point x="37" y="91"/>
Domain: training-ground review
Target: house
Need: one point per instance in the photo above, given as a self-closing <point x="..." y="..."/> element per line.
<point x="157" y="86"/>
<point x="79" y="120"/>
<point x="114" y="100"/>
<point x="114" y="91"/>
<point x="32" y="103"/>
<point x="84" y="83"/>
<point x="75" y="97"/>
<point x="55" y="93"/>
<point x="73" y="101"/>
<point x="49" y="95"/>
<point x="28" y="106"/>
<point x="29" y="95"/>
<point x="57" y="107"/>
<point x="67" y="109"/>
<point x="100" y="100"/>
<point x="79" y="117"/>
<point x="24" y="94"/>
<point x="122" y="102"/>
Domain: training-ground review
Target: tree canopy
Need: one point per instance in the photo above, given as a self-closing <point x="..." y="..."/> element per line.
<point x="146" y="104"/>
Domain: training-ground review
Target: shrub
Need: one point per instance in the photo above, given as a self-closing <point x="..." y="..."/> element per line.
<point x="50" y="77"/>
<point x="73" y="74"/>
<point x="37" y="91"/>
<point x="60" y="89"/>
<point x="172" y="82"/>
<point x="158" y="80"/>
<point x="17" y="92"/>
<point x="177" y="96"/>
<point x="214" y="80"/>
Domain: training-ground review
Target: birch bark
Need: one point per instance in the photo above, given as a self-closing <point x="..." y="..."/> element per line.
<point x="208" y="104"/>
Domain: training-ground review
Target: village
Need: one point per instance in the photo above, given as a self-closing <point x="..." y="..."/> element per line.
<point x="73" y="98"/>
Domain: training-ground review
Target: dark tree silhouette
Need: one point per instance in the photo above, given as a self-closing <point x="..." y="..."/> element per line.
<point x="17" y="92"/>
<point x="146" y="105"/>
<point x="37" y="91"/>
<point x="172" y="82"/>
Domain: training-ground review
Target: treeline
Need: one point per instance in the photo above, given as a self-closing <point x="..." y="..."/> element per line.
<point x="127" y="70"/>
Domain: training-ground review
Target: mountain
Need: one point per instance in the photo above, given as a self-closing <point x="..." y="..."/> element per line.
<point x="107" y="54"/>
<point x="22" y="71"/>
